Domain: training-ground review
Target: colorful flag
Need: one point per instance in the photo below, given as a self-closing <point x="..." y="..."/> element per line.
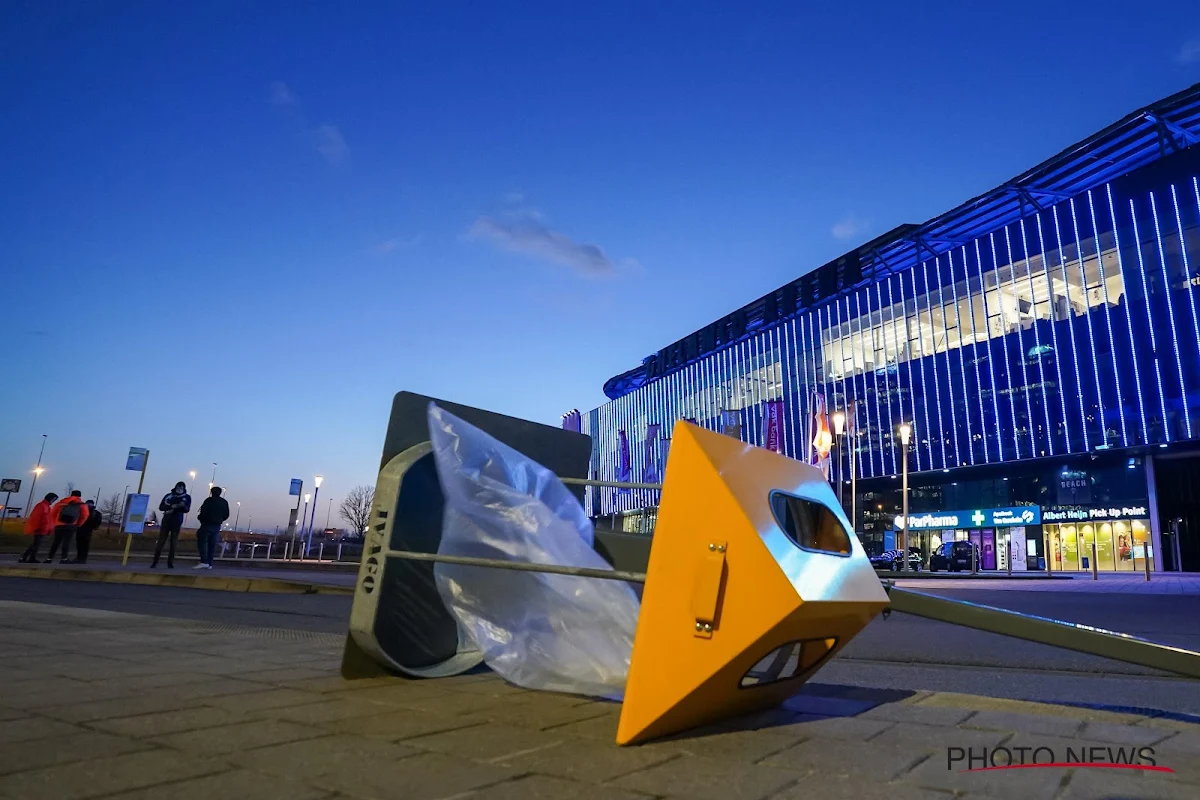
<point x="773" y="425"/>
<point x="572" y="421"/>
<point x="650" y="472"/>
<point x="822" y="441"/>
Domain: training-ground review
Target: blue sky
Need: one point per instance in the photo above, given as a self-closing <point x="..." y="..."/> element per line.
<point x="231" y="232"/>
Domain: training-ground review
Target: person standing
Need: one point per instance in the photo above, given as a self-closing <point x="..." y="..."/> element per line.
<point x="175" y="505"/>
<point x="83" y="535"/>
<point x="213" y="511"/>
<point x="39" y="524"/>
<point x="68" y="513"/>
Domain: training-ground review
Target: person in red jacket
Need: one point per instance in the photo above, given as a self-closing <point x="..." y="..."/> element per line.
<point x="39" y="524"/>
<point x="68" y="513"/>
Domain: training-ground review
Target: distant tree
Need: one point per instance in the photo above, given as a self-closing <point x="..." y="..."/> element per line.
<point x="113" y="508"/>
<point x="356" y="509"/>
<point x="70" y="487"/>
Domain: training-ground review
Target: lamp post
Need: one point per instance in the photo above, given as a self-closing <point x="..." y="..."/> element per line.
<point x="37" y="472"/>
<point x="237" y="516"/>
<point x="313" y="521"/>
<point x="905" y="434"/>
<point x="839" y="424"/>
<point x="307" y="497"/>
<point x="213" y="482"/>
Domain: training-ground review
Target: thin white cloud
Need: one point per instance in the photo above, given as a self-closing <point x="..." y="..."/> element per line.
<point x="396" y="243"/>
<point x="1190" y="52"/>
<point x="282" y="95"/>
<point x="331" y="144"/>
<point x="525" y="233"/>
<point x="848" y="227"/>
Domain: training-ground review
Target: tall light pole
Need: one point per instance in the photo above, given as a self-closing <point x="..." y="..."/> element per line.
<point x="307" y="497"/>
<point x="213" y="482"/>
<point x="328" y="511"/>
<point x="839" y="424"/>
<point x="905" y="434"/>
<point x="237" y="516"/>
<point x="317" y="483"/>
<point x="37" y="471"/>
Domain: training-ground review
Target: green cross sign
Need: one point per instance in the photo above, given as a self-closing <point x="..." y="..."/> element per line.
<point x="978" y="519"/>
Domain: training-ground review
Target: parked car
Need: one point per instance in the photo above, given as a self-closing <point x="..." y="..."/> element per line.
<point x="954" y="557"/>
<point x="893" y="560"/>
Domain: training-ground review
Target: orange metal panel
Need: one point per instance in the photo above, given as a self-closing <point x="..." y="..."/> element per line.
<point x="770" y="592"/>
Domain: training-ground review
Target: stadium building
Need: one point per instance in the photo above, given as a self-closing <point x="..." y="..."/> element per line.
<point x="1042" y="340"/>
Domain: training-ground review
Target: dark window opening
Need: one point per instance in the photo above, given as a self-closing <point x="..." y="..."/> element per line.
<point x="811" y="526"/>
<point x="792" y="660"/>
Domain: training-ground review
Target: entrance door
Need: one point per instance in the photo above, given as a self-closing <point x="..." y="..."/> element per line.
<point x="989" y="549"/>
<point x="1177" y="482"/>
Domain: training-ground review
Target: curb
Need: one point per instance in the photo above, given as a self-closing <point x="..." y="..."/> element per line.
<point x="214" y="583"/>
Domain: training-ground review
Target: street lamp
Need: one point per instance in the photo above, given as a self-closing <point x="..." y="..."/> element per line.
<point x="905" y="435"/>
<point x="37" y="471"/>
<point x="312" y="522"/>
<point x="237" y="516"/>
<point x="839" y="423"/>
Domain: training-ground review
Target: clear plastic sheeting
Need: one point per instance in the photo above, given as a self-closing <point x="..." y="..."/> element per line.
<point x="552" y="632"/>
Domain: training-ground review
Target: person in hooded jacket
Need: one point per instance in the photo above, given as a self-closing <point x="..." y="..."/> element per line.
<point x="83" y="534"/>
<point x="175" y="505"/>
<point x="68" y="514"/>
<point x="213" y="511"/>
<point x="39" y="524"/>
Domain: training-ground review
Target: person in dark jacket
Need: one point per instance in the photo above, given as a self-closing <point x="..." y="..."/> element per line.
<point x="68" y="514"/>
<point x="83" y="534"/>
<point x="39" y="524"/>
<point x="213" y="511"/>
<point x="174" y="506"/>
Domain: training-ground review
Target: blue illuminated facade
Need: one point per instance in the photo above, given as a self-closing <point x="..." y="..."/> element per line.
<point x="1053" y="318"/>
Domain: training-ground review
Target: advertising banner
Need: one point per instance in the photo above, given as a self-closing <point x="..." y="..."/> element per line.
<point x="979" y="518"/>
<point x="10" y="485"/>
<point x="773" y="425"/>
<point x="136" y="508"/>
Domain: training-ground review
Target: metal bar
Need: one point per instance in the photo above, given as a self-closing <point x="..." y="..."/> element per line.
<point x="1068" y="635"/>
<point x="612" y="484"/>
<point x="521" y="566"/>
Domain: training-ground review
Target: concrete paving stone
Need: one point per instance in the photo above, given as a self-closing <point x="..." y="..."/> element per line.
<point x="709" y="779"/>
<point x="867" y="760"/>
<point x="89" y="668"/>
<point x="283" y="675"/>
<point x="429" y="776"/>
<point x="494" y="689"/>
<point x="242" y="736"/>
<point x="53" y="691"/>
<point x="335" y="683"/>
<point x="147" y="726"/>
<point x="849" y="729"/>
<point x="105" y="776"/>
<point x="232" y="784"/>
<point x="1042" y="724"/>
<point x="936" y="738"/>
<point x="604" y="728"/>
<point x="1122" y="734"/>
<point x="980" y="703"/>
<point x="154" y="680"/>
<point x="400" y="693"/>
<point x="325" y="756"/>
<point x="842" y="787"/>
<point x="587" y="761"/>
<point x="923" y="715"/>
<point x="1088" y="784"/>
<point x="30" y="728"/>
<point x="444" y="702"/>
<point x="215" y="687"/>
<point x="1185" y="741"/>
<point x="495" y="741"/>
<point x="82" y="746"/>
<point x="151" y="703"/>
<point x="1023" y="784"/>
<point x="1185" y="763"/>
<point x="398" y="724"/>
<point x="326" y="711"/>
<point x="541" y="787"/>
<point x="265" y="698"/>
<point x="748" y="747"/>
<point x="9" y="714"/>
<point x="767" y="718"/>
<point x="540" y="716"/>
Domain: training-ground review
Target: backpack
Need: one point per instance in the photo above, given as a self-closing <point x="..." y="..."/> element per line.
<point x="68" y="514"/>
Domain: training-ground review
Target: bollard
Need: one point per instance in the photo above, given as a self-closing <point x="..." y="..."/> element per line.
<point x="287" y="551"/>
<point x="252" y="551"/>
<point x="339" y="552"/>
<point x="321" y="551"/>
<point x="269" y="550"/>
<point x="1146" y="554"/>
<point x="1008" y="550"/>
<point x="1046" y="542"/>
<point x="237" y="546"/>
<point x="1095" y="566"/>
<point x="974" y="559"/>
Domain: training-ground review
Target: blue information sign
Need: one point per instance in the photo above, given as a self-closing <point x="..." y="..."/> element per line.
<point x="296" y="487"/>
<point x="137" y="459"/>
<point x="978" y="518"/>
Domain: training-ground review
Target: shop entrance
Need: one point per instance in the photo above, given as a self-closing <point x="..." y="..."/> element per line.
<point x="1120" y="545"/>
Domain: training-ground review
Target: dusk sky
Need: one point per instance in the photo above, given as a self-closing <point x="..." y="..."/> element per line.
<point x="231" y="232"/>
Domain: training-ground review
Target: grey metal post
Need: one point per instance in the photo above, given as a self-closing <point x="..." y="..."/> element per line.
<point x="1145" y="552"/>
<point x="339" y="552"/>
<point x="1156" y="533"/>
<point x="269" y="550"/>
<point x="287" y="551"/>
<point x="1095" y="566"/>
<point x="1008" y="549"/>
<point x="321" y="551"/>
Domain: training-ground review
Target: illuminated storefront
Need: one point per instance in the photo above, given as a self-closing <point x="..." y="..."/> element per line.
<point x="995" y="532"/>
<point x="1115" y="537"/>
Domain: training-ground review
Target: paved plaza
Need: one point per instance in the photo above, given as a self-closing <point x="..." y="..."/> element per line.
<point x="106" y="704"/>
